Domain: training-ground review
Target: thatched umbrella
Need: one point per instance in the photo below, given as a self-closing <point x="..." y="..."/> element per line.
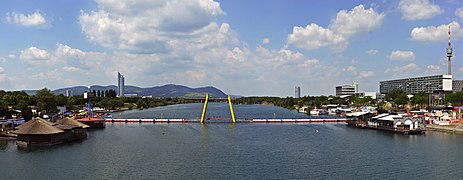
<point x="38" y="126"/>
<point x="71" y="122"/>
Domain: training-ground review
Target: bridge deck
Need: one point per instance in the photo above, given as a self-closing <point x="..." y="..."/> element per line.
<point x="228" y="120"/>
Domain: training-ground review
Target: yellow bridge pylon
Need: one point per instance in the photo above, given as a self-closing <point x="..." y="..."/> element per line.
<point x="205" y="109"/>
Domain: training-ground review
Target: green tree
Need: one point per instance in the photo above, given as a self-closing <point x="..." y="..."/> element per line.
<point x="61" y="100"/>
<point x="46" y="100"/>
<point x="420" y="99"/>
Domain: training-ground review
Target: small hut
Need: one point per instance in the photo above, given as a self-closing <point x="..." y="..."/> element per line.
<point x="73" y="129"/>
<point x="38" y="132"/>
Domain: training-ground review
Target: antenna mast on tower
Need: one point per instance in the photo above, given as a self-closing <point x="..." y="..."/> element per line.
<point x="449" y="55"/>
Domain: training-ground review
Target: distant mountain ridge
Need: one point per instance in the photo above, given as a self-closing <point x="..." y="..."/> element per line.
<point x="165" y="91"/>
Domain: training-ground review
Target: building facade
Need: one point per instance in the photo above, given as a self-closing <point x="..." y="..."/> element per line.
<point x="457" y="85"/>
<point x="297" y="92"/>
<point x="345" y="90"/>
<point x="120" y="85"/>
<point x="427" y="84"/>
<point x="68" y="93"/>
<point x="371" y="94"/>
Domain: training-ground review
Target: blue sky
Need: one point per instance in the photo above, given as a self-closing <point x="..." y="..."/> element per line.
<point x="242" y="47"/>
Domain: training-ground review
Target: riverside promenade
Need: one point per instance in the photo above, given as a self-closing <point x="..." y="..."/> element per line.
<point x="456" y="128"/>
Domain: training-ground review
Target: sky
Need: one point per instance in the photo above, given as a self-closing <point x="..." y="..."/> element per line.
<point x="249" y="48"/>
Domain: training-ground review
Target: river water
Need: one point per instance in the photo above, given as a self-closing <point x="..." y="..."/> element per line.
<point x="237" y="151"/>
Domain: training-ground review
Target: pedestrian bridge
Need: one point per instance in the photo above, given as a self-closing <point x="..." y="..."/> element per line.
<point x="231" y="119"/>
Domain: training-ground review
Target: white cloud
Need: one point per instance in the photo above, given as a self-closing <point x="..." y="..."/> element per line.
<point x="366" y="74"/>
<point x="71" y="69"/>
<point x="265" y="41"/>
<point x="402" y="70"/>
<point x="439" y="33"/>
<point x="356" y="21"/>
<point x="313" y="37"/>
<point x="12" y="56"/>
<point x="66" y="51"/>
<point x="34" y="53"/>
<point x="345" y="25"/>
<point x="433" y="69"/>
<point x="236" y="55"/>
<point x="2" y="75"/>
<point x="350" y="69"/>
<point x="418" y="9"/>
<point x="459" y="13"/>
<point x="35" y="19"/>
<point x="402" y="55"/>
<point x="147" y="27"/>
<point x="372" y="52"/>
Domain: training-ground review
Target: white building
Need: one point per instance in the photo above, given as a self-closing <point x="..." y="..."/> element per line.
<point x="68" y="93"/>
<point x="427" y="84"/>
<point x="371" y="94"/>
<point x="345" y="90"/>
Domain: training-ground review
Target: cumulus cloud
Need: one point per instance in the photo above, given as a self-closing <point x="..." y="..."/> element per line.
<point x="356" y="21"/>
<point x="265" y="41"/>
<point x="418" y="9"/>
<point x="345" y="25"/>
<point x="236" y="54"/>
<point x="402" y="69"/>
<point x="34" y="19"/>
<point x="12" y="56"/>
<point x="147" y="27"/>
<point x="372" y="52"/>
<point x="66" y="51"/>
<point x="34" y="53"/>
<point x="439" y="33"/>
<point x="313" y="37"/>
<point x="402" y="55"/>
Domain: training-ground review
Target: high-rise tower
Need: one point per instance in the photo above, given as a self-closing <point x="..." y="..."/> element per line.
<point x="297" y="92"/>
<point x="120" y="84"/>
<point x="449" y="55"/>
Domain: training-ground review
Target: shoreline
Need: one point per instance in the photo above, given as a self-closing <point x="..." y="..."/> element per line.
<point x="450" y="129"/>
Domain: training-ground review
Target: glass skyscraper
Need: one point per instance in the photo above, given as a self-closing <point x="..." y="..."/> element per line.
<point x="120" y="84"/>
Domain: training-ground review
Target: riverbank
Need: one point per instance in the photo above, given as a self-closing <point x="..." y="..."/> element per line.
<point x="454" y="128"/>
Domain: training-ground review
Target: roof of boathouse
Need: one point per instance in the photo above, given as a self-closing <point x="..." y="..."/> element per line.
<point x="38" y="126"/>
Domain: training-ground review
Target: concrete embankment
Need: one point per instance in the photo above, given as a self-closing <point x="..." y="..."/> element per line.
<point x="454" y="128"/>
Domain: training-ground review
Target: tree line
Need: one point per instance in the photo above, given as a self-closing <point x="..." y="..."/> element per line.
<point x="46" y="102"/>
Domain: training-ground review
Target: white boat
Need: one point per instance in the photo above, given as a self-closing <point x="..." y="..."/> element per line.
<point x="317" y="112"/>
<point x="303" y="109"/>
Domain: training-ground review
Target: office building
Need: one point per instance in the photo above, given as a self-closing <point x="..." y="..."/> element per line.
<point x="427" y="84"/>
<point x="297" y="93"/>
<point x="344" y="90"/>
<point x="120" y="85"/>
<point x="68" y="93"/>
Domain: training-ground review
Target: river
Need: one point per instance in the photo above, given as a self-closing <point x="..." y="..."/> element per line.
<point x="237" y="151"/>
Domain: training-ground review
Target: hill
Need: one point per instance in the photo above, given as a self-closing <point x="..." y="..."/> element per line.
<point x="165" y="91"/>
